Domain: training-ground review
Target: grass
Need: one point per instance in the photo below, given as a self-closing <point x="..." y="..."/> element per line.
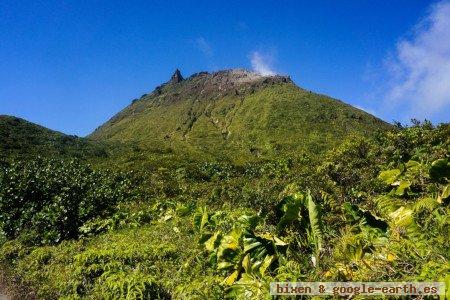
<point x="244" y="124"/>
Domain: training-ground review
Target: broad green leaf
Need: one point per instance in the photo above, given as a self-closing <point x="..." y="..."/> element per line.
<point x="315" y="222"/>
<point x="210" y="244"/>
<point x="402" y="187"/>
<point x="366" y="218"/>
<point x="250" y="243"/>
<point x="446" y="280"/>
<point x="204" y="219"/>
<point x="229" y="242"/>
<point x="224" y="265"/>
<point x="232" y="278"/>
<point x="279" y="242"/>
<point x="260" y="252"/>
<point x="273" y="238"/>
<point x="248" y="221"/>
<point x="255" y="265"/>
<point x="182" y="210"/>
<point x="291" y="211"/>
<point x="412" y="164"/>
<point x="445" y="194"/>
<point x="402" y="216"/>
<point x="265" y="235"/>
<point x="167" y="217"/>
<point x="266" y="264"/>
<point x="247" y="279"/>
<point x="389" y="176"/>
<point x="201" y="219"/>
<point x="246" y="263"/>
<point x="440" y="169"/>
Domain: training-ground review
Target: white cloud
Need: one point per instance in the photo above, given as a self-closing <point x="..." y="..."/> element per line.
<point x="262" y="63"/>
<point x="204" y="46"/>
<point x="420" y="67"/>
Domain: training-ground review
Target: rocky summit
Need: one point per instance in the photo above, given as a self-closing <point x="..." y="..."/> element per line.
<point x="235" y="115"/>
<point x="176" y="77"/>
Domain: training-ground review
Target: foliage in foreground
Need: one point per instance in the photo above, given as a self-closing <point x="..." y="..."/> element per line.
<point x="372" y="210"/>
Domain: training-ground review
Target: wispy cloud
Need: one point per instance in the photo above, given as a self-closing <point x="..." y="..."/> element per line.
<point x="203" y="45"/>
<point x="262" y="63"/>
<point x="420" y="67"/>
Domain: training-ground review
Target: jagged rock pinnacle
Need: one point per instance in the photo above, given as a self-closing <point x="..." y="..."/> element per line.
<point x="176" y="77"/>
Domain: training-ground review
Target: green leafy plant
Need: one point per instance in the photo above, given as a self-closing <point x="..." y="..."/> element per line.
<point x="242" y="250"/>
<point x="47" y="201"/>
<point x="300" y="208"/>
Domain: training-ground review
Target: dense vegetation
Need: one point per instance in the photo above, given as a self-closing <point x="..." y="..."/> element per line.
<point x="46" y="201"/>
<point x="21" y="139"/>
<point x="374" y="208"/>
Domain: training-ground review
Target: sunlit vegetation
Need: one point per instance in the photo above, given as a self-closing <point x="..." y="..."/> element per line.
<point x="374" y="208"/>
<point x="214" y="117"/>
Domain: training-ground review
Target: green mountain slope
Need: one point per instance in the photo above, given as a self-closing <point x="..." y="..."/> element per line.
<point x="21" y="138"/>
<point x="236" y="115"/>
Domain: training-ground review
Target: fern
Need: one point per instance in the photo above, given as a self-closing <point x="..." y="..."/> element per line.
<point x="386" y="205"/>
<point x="425" y="204"/>
<point x="315" y="223"/>
<point x="122" y="285"/>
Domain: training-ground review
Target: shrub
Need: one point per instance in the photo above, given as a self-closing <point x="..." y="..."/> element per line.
<point x="45" y="201"/>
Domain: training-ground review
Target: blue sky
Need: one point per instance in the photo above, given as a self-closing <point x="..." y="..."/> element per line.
<point x="71" y="65"/>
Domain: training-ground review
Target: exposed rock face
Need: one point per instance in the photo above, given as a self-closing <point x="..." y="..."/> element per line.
<point x="236" y="77"/>
<point x="205" y="85"/>
<point x="176" y="77"/>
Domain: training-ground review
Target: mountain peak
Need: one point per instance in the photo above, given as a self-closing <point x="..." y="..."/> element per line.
<point x="238" y="115"/>
<point x="176" y="77"/>
<point x="233" y="78"/>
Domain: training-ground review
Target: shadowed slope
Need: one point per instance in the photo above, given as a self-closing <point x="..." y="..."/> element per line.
<point x="21" y="138"/>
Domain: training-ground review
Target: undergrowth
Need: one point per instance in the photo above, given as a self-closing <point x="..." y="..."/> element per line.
<point x="372" y="209"/>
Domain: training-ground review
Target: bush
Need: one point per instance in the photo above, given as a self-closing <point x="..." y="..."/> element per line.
<point x="46" y="201"/>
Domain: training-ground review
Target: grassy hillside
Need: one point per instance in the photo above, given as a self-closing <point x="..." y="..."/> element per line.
<point x="375" y="208"/>
<point x="238" y="116"/>
<point x="20" y="138"/>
